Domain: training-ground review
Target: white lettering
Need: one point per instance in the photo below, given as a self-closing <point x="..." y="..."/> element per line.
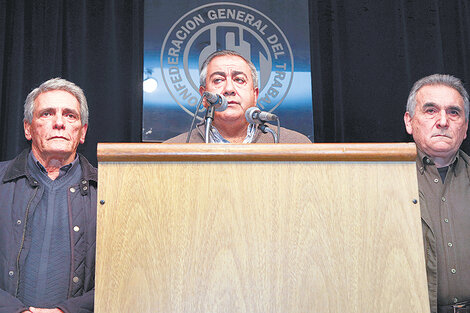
<point x="272" y="39"/>
<point x="181" y="35"/>
<point x="221" y="13"/>
<point x="240" y="16"/>
<point x="212" y="15"/>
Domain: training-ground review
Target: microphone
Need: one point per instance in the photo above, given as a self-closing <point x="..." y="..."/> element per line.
<point x="219" y="101"/>
<point x="255" y="116"/>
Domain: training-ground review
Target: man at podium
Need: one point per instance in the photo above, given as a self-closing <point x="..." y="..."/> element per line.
<point x="227" y="73"/>
<point x="48" y="208"/>
<point x="437" y="118"/>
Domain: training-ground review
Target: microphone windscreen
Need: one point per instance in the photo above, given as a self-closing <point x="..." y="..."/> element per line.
<point x="223" y="104"/>
<point x="249" y="115"/>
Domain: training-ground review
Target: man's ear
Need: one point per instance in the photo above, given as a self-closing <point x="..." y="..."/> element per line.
<point x="256" y="91"/>
<point x="201" y="91"/>
<point x="27" y="130"/>
<point x="407" y="119"/>
<point x="83" y="133"/>
<point x="466" y="129"/>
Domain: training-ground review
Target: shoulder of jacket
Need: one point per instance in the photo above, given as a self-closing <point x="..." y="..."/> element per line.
<point x="295" y="136"/>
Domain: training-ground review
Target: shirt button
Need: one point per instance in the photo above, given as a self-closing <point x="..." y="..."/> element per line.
<point x="72" y="189"/>
<point x="75" y="279"/>
<point x="84" y="182"/>
<point x="85" y="187"/>
<point x="449" y="244"/>
<point x="11" y="273"/>
<point x="436" y="180"/>
<point x="18" y="222"/>
<point x="76" y="228"/>
<point x="443" y="199"/>
<point x="446" y="220"/>
<point x="453" y="271"/>
<point x="455" y="300"/>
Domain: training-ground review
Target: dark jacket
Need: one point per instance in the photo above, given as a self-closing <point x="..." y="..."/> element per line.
<point x="19" y="196"/>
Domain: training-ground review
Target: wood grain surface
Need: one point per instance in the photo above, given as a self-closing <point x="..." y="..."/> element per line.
<point x="259" y="237"/>
<point x="146" y="152"/>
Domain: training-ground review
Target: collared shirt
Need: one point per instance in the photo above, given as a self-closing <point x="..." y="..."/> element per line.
<point x="448" y="205"/>
<point x="62" y="171"/>
<point x="216" y="137"/>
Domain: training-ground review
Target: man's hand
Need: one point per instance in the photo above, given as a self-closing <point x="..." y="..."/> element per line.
<point x="38" y="310"/>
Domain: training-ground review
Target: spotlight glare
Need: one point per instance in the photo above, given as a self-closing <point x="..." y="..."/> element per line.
<point x="150" y="85"/>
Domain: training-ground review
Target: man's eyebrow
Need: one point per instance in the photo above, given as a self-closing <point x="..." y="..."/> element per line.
<point x="68" y="110"/>
<point x="54" y="109"/>
<point x="46" y="109"/>
<point x="235" y="73"/>
<point x="219" y="73"/>
<point x="454" y="107"/>
<point x="451" y="107"/>
<point x="429" y="104"/>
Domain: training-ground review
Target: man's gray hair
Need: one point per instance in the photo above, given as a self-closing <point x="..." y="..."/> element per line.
<point x="437" y="79"/>
<point x="56" y="84"/>
<point x="203" y="71"/>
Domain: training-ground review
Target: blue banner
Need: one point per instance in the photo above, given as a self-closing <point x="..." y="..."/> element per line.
<point x="179" y="36"/>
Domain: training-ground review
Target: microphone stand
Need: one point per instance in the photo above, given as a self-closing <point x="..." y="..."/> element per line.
<point x="194" y="118"/>
<point x="266" y="129"/>
<point x="209" y="118"/>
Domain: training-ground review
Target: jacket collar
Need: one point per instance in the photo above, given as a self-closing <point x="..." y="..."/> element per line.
<point x="89" y="172"/>
<point x="19" y="168"/>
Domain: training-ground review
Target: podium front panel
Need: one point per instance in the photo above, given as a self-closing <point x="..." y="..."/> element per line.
<point x="259" y="236"/>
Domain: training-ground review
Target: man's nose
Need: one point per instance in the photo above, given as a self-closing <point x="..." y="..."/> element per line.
<point x="229" y="88"/>
<point x="59" y="122"/>
<point x="443" y="121"/>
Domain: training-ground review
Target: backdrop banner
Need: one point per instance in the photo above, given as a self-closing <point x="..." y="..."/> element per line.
<point x="179" y="36"/>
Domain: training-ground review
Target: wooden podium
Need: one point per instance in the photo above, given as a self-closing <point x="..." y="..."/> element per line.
<point x="286" y="228"/>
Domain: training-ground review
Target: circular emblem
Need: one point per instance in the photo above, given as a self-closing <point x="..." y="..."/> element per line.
<point x="231" y="26"/>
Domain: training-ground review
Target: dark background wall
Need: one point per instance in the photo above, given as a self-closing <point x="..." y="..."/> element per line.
<point x="365" y="56"/>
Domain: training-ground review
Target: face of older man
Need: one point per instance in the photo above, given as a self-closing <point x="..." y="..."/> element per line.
<point x="230" y="76"/>
<point x="56" y="128"/>
<point x="438" y="126"/>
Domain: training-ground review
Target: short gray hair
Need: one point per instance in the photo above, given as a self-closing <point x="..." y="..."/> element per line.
<point x="203" y="71"/>
<point x="56" y="84"/>
<point x="437" y="79"/>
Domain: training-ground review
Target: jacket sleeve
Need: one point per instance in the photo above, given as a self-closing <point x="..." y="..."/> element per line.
<point x="82" y="304"/>
<point x="10" y="304"/>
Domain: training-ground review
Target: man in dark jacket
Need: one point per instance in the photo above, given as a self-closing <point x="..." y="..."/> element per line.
<point x="48" y="208"/>
<point x="437" y="117"/>
<point x="229" y="74"/>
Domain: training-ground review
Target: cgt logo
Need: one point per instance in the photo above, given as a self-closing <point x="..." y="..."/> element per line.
<point x="231" y="26"/>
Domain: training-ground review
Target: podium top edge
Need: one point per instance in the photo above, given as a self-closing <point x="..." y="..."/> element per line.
<point x="159" y="152"/>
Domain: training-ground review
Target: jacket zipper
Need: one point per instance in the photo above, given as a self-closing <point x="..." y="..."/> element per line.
<point x="22" y="241"/>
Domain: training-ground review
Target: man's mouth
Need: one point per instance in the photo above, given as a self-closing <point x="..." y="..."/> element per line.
<point x="58" y="137"/>
<point x="442" y="135"/>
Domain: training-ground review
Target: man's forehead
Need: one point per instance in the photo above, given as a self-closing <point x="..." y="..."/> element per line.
<point x="56" y="96"/>
<point x="55" y="99"/>
<point x="439" y="95"/>
<point x="228" y="63"/>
